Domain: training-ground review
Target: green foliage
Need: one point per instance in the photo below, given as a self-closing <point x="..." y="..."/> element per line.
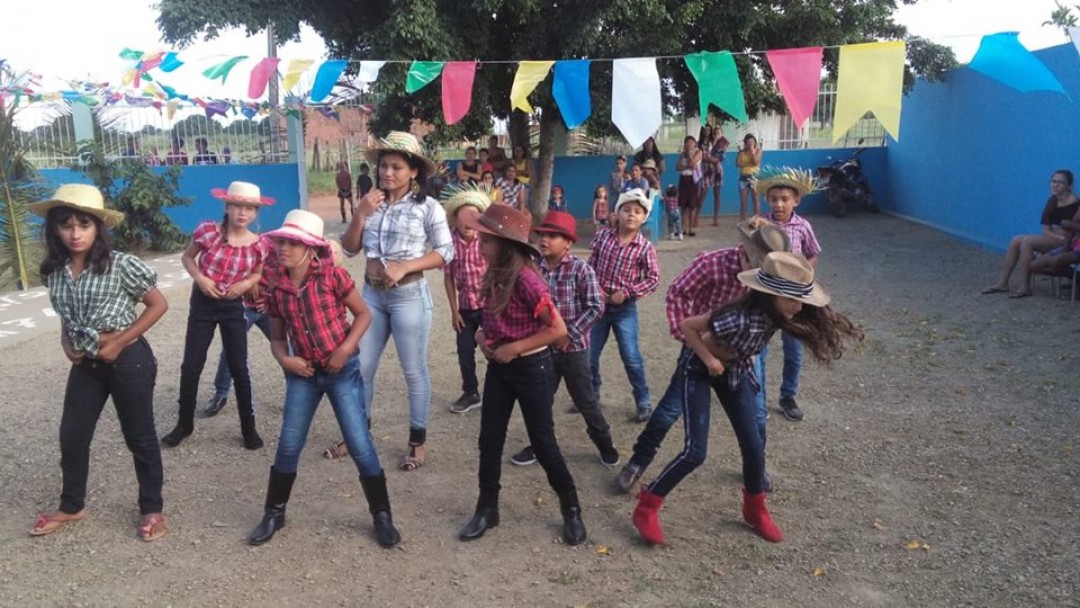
<point x="142" y="194"/>
<point x="1063" y="17"/>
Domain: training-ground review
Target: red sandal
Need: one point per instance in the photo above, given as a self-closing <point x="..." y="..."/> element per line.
<point x="47" y="523"/>
<point x="152" y="527"/>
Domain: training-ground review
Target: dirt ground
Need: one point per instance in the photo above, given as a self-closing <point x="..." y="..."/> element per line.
<point x="936" y="466"/>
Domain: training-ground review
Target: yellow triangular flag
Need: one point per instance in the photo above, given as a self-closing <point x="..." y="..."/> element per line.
<point x="871" y="79"/>
<point x="293" y="72"/>
<point x="529" y="74"/>
<point x="170" y="108"/>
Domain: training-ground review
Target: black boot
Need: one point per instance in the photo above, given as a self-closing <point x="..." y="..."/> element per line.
<point x="379" y="504"/>
<point x="486" y="516"/>
<point x="278" y="491"/>
<point x="573" y="526"/>
<point x="252" y="441"/>
<point x="185" y="426"/>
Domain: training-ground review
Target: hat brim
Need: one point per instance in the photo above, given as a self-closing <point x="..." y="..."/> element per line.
<point x="292" y="234"/>
<point x="482" y="225"/>
<point x="763" y="185"/>
<point x="818" y="296"/>
<point x="551" y="229"/>
<point x="481" y="202"/>
<point x="223" y="194"/>
<point x="109" y="217"/>
<point x="373" y="154"/>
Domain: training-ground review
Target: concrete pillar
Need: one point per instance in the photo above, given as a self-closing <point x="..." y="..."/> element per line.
<point x="294" y="128"/>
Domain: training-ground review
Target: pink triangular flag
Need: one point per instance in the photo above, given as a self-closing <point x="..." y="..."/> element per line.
<point x="457" y="84"/>
<point x="798" y="74"/>
<point x="260" y="75"/>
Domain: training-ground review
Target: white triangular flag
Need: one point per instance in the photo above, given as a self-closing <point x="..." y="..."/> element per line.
<point x="635" y="98"/>
<point x="369" y="71"/>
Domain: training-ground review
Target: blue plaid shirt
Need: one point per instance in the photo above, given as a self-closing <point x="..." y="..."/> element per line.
<point x="746" y="331"/>
<point x="577" y="296"/>
<point x="403" y="230"/>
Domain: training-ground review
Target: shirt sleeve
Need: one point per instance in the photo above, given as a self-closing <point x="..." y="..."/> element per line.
<point x="683" y="292"/>
<point x="811" y="247"/>
<point x="136" y="278"/>
<point x="206" y="235"/>
<point x="726" y="323"/>
<point x="649" y="279"/>
<point x="592" y="303"/>
<point x="273" y="301"/>
<point x="532" y="289"/>
<point x="439" y="231"/>
<point x="343" y="282"/>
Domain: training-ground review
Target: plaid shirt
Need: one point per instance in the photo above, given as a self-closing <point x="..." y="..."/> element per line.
<point x="577" y="296"/>
<point x="467" y="269"/>
<point x="314" y="313"/>
<point x="97" y="303"/>
<point x="403" y="230"/>
<point x="510" y="190"/>
<point x="746" y="330"/>
<point x="800" y="234"/>
<point x="631" y="268"/>
<point x="710" y="281"/>
<point x="521" y="318"/>
<point x="600" y="210"/>
<point x="223" y="263"/>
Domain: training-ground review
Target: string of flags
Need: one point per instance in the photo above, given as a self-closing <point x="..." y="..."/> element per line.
<point x="869" y="79"/>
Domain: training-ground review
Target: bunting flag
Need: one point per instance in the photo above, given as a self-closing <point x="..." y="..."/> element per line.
<point x="457" y="84"/>
<point x="871" y="79"/>
<point x="327" y="76"/>
<point x="571" y="91"/>
<point x="718" y="83"/>
<point x="1074" y="36"/>
<point x="635" y="98"/>
<point x="217" y="107"/>
<point x="798" y="76"/>
<point x="529" y="74"/>
<point x="421" y="73"/>
<point x="170" y="108"/>
<point x="369" y="71"/>
<point x="293" y="71"/>
<point x="1003" y="58"/>
<point x="222" y="69"/>
<point x="130" y="55"/>
<point x="261" y="75"/>
<point x="170" y="62"/>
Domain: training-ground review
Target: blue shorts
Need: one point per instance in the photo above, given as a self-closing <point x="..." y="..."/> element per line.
<point x="747" y="182"/>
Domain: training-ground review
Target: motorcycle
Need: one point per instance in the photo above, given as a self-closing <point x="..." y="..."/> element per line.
<point x="846" y="183"/>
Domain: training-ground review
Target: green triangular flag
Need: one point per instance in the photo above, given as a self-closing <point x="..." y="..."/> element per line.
<point x="718" y="83"/>
<point x="222" y="69"/>
<point x="131" y="54"/>
<point x="421" y="73"/>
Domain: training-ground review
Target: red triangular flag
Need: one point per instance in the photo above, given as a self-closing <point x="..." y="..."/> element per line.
<point x="457" y="84"/>
<point x="260" y="75"/>
<point x="798" y="74"/>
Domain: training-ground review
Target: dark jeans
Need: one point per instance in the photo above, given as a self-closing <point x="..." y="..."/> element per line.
<point x="206" y="314"/>
<point x="223" y="379"/>
<point x="466" y="350"/>
<point x="526" y="380"/>
<point x="574" y="368"/>
<point x="130" y="382"/>
<point x="739" y="406"/>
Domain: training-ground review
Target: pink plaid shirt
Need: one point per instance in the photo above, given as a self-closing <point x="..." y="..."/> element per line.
<point x="800" y="234"/>
<point x="521" y="318"/>
<point x="631" y="268"/>
<point x="314" y="313"/>
<point x="710" y="281"/>
<point x="467" y="269"/>
<point x="223" y="263"/>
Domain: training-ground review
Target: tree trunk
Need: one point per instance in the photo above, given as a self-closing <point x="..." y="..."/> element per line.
<point x="544" y="167"/>
<point x="518" y="129"/>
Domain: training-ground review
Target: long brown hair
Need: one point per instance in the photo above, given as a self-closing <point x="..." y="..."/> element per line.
<point x="503" y="271"/>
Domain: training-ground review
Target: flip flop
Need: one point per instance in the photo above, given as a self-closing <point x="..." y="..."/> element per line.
<point x="47" y="523"/>
<point x="152" y="527"/>
<point x="337" y="450"/>
<point x="415" y="459"/>
<point x="1019" y="294"/>
<point x="990" y="290"/>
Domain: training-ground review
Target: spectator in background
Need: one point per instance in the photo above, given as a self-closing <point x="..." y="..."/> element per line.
<point x="636" y="180"/>
<point x="649" y="151"/>
<point x="484" y="164"/>
<point x="153" y="159"/>
<point x="363" y="181"/>
<point x="523" y="164"/>
<point x="468" y="170"/>
<point x="496" y="156"/>
<point x="177" y="155"/>
<point x="513" y="191"/>
<point x="748" y="161"/>
<point x="618" y="177"/>
<point x="226" y="156"/>
<point x="203" y="155"/>
<point x="714" y="159"/>
<point x="487" y="184"/>
<point x="557" y="202"/>
<point x="343" y="179"/>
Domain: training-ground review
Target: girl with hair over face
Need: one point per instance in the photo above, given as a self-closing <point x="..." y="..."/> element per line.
<point x="401" y="234"/>
<point x="95" y="290"/>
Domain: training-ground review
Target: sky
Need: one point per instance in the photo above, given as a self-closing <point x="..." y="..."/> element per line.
<point x="79" y="40"/>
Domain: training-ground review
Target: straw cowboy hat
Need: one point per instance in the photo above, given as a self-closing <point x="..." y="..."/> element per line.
<point x="456" y="198"/>
<point x="244" y="193"/>
<point x="302" y="226"/>
<point x="634" y="195"/>
<point x="788" y="275"/>
<point x="648" y="164"/>
<point x="800" y="180"/>
<point x="401" y="142"/>
<point x="560" y="223"/>
<point x="761" y="237"/>
<point x="81" y="197"/>
<point x="507" y="223"/>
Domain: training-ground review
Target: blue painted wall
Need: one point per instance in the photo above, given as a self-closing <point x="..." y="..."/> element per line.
<point x="279" y="182"/>
<point x="975" y="157"/>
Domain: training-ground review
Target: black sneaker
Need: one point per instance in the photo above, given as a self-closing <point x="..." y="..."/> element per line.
<point x="466" y="402"/>
<point x="609" y="457"/>
<point x="525" y="457"/>
<point x="628" y="476"/>
<point x="642" y="414"/>
<point x="791" y="409"/>
<point x="215" y="405"/>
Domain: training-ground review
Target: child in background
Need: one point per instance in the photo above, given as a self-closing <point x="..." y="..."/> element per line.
<point x="674" y="214"/>
<point x="557" y="202"/>
<point x="617" y="182"/>
<point x="462" y="277"/>
<point x="520" y="322"/>
<point x="94" y="290"/>
<point x="364" y="184"/>
<point x="600" y="211"/>
<point x="626" y="266"/>
<point x="485" y="166"/>
<point x="344" y="189"/>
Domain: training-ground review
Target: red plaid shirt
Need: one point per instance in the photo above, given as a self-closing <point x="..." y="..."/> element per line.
<point x="223" y="263"/>
<point x="577" y="296"/>
<point x="710" y="281"/>
<point x="521" y="318"/>
<point x="314" y="314"/>
<point x="467" y="269"/>
<point x="800" y="234"/>
<point x="631" y="268"/>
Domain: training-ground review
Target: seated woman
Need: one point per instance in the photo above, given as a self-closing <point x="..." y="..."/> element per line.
<point x="1062" y="206"/>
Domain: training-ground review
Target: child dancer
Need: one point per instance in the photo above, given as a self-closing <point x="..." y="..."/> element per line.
<point x="600" y="211"/>
<point x="462" y="277"/>
<point x="578" y="299"/>
<point x="94" y="290"/>
<point x="723" y="345"/>
<point x="674" y="218"/>
<point x="229" y="264"/>
<point x="626" y="266"/>
<point x="307" y="303"/>
<point x="519" y="324"/>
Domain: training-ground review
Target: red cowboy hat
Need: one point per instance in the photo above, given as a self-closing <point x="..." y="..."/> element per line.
<point x="560" y="223"/>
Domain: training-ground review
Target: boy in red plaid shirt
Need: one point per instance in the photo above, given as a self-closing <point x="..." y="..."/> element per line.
<point x="626" y="266"/>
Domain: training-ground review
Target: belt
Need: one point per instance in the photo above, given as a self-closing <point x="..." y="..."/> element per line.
<point x="411" y="277"/>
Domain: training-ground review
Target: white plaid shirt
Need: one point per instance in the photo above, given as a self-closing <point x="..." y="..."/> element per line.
<point x="402" y="231"/>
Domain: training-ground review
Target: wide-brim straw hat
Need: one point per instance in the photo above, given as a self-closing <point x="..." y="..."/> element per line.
<point x="81" y="197"/>
<point x="560" y="223"/>
<point x="244" y="193"/>
<point x="634" y="195"/>
<point x="401" y="142"/>
<point x="458" y="197"/>
<point x="788" y="275"/>
<point x="507" y="223"/>
<point x="761" y="237"/>
<point x="800" y="180"/>
<point x="301" y="226"/>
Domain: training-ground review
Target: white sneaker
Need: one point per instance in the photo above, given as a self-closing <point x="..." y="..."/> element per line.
<point x="671" y="236"/>
<point x="680" y="236"/>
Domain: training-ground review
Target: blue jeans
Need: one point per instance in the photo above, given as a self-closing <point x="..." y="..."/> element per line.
<point x="665" y="415"/>
<point x="302" y="397"/>
<point x="405" y="313"/>
<point x="674" y="221"/>
<point x="621" y="319"/>
<point x="223" y="379"/>
<point x="789" y="385"/>
<point x="738" y="404"/>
